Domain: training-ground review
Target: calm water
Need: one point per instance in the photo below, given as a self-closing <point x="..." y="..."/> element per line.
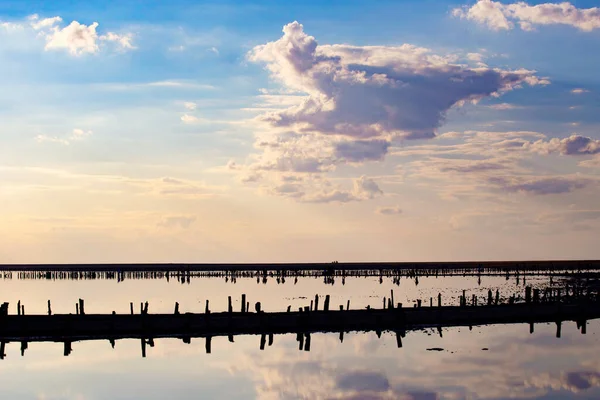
<point x="516" y="364"/>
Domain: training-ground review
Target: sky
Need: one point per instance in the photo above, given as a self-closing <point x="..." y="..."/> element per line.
<point x="230" y="131"/>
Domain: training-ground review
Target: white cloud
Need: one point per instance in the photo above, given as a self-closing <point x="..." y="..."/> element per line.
<point x="123" y="41"/>
<point x="374" y="91"/>
<point x="498" y="16"/>
<point x="579" y="91"/>
<point x="76" y="135"/>
<point x="76" y="38"/>
<point x="573" y="145"/>
<point x="189" y="119"/>
<point x="190" y="105"/>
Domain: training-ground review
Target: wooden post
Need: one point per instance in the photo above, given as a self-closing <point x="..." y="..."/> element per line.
<point x="497" y="297"/>
<point x="112" y="343"/>
<point x="257" y="306"/>
<point x="439" y="299"/>
<point x="392" y="297"/>
<point x="536" y="295"/>
<point x="176" y="312"/>
<point x="22" y="309"/>
<point x="316" y="302"/>
<point x="2" y="348"/>
<point x="489" y="297"/>
<point x="531" y="327"/>
<point x="206" y="309"/>
<point x="311" y="305"/>
<point x="243" y="302"/>
<point x="81" y="308"/>
<point x="67" y="349"/>
<point x="77" y="308"/>
<point x="326" y="305"/>
<point x="131" y="307"/>
<point x="583" y="327"/>
<point x="558" y="328"/>
<point x="307" y="342"/>
<point x="528" y="294"/>
<point x="289" y="309"/>
<point x="263" y="340"/>
<point x="146" y="308"/>
<point x="19" y="307"/>
<point x="300" y="338"/>
<point x="271" y="339"/>
<point x="398" y="340"/>
<point x="419" y="303"/>
<point x="208" y="344"/>
<point x="348" y="305"/>
<point x="49" y="308"/>
<point x="229" y="305"/>
<point x="341" y="337"/>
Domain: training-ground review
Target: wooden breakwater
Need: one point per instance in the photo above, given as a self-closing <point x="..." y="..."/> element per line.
<point x="306" y="320"/>
<point x="183" y="272"/>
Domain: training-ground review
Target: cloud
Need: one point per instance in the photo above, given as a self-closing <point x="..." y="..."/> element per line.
<point x="317" y="190"/>
<point x="190" y="105"/>
<point x="76" y="38"/>
<point x="539" y="186"/>
<point x="498" y="16"/>
<point x="76" y="135"/>
<point x="361" y="150"/>
<point x="188" y="119"/>
<point x="374" y="91"/>
<point x="579" y="91"/>
<point x="394" y="210"/>
<point x="183" y="222"/>
<point x="503" y="106"/>
<point x="573" y="145"/>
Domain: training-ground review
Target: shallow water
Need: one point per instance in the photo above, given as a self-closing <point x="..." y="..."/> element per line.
<point x="516" y="364"/>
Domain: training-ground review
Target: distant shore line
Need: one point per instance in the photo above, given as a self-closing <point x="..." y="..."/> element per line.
<point x="541" y="265"/>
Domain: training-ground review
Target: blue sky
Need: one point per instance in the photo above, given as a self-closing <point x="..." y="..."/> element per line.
<point x="367" y="130"/>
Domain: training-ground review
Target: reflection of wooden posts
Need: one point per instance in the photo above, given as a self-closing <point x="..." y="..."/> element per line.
<point x="583" y="327"/>
<point x="23" y="347"/>
<point x="263" y="340"/>
<point x="326" y="305"/>
<point x="558" y="328"/>
<point x="398" y="340"/>
<point x="307" y="342"/>
<point x="392" y="298"/>
<point x="536" y="295"/>
<point x="2" y="348"/>
<point x="531" y="327"/>
<point x="243" y="302"/>
<point x="489" y="303"/>
<point x="229" y="305"/>
<point x="439" y="329"/>
<point x="528" y="294"/>
<point x="131" y="307"/>
<point x="230" y="338"/>
<point x="439" y="299"/>
<point x="208" y="344"/>
<point x="112" y="343"/>
<point x="497" y="297"/>
<point x="341" y="336"/>
<point x="67" y="348"/>
<point x="143" y="342"/>
<point x="431" y="302"/>
<point x="81" y="307"/>
<point x="176" y="312"/>
<point x="271" y="339"/>
<point x="300" y="339"/>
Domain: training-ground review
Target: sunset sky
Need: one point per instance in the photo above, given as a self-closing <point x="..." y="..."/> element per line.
<point x="275" y="131"/>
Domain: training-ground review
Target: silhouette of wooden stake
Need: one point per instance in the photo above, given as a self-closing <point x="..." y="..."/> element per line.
<point x="112" y="343"/>
<point x="326" y="305"/>
<point x="206" y="309"/>
<point x="300" y="338"/>
<point x="392" y="297"/>
<point x="489" y="297"/>
<point x="398" y="340"/>
<point x="263" y="340"/>
<point x="307" y="342"/>
<point x="49" y="308"/>
<point x="19" y="307"/>
<point x="143" y="348"/>
<point x="431" y="302"/>
<point x="289" y="309"/>
<point x="348" y="305"/>
<point x="583" y="327"/>
<point x="229" y="305"/>
<point x="67" y="349"/>
<point x="2" y="348"/>
<point x="439" y="299"/>
<point x="558" y="328"/>
<point x="316" y="302"/>
<point x="208" y="344"/>
<point x="77" y="308"/>
<point x="145" y="308"/>
<point x="23" y="348"/>
<point x="131" y="307"/>
<point x="531" y="327"/>
<point x="176" y="312"/>
<point x="341" y="336"/>
<point x="271" y="339"/>
<point x="497" y="297"/>
<point x="244" y="303"/>
<point x="22" y="309"/>
<point x="81" y="309"/>
<point x="257" y="306"/>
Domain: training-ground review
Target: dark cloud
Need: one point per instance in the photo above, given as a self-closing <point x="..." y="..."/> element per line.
<point x="573" y="145"/>
<point x="362" y="150"/>
<point x="363" y="381"/>
<point x="541" y="186"/>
